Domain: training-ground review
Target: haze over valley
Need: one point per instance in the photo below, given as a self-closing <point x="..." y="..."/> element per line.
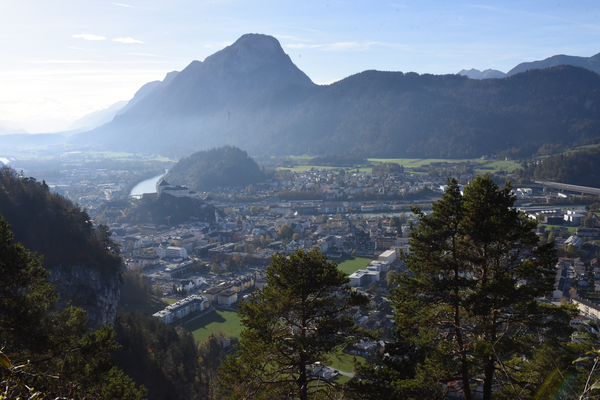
<point x="263" y="200"/>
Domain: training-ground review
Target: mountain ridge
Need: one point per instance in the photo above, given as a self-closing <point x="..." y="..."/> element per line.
<point x="252" y="96"/>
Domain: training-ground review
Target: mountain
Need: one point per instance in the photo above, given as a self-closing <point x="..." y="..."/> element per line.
<point x="202" y="97"/>
<point x="252" y="96"/>
<point x="101" y="117"/>
<point x="591" y="63"/>
<point x="146" y="90"/>
<point x="6" y="131"/>
<point x="97" y="118"/>
<point x="477" y="74"/>
<point x="30" y="140"/>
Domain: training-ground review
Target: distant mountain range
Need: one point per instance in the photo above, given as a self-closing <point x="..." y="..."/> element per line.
<point x="477" y="74"/>
<point x="591" y="63"/>
<point x="7" y="131"/>
<point x="252" y="96"/>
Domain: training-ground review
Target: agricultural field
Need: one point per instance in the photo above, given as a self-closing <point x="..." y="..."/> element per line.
<point x="485" y="165"/>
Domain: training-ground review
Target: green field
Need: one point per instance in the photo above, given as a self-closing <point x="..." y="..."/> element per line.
<point x="304" y="168"/>
<point x="219" y="320"/>
<point x="489" y="165"/>
<point x="345" y="362"/>
<point x="570" y="228"/>
<point x="350" y="264"/>
<point x="485" y="165"/>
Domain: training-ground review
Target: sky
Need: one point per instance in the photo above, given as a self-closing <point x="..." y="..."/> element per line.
<point x="63" y="59"/>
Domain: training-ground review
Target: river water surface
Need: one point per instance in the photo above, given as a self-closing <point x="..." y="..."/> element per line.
<point x="147" y="186"/>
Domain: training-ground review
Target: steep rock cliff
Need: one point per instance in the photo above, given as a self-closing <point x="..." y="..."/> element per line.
<point x="94" y="290"/>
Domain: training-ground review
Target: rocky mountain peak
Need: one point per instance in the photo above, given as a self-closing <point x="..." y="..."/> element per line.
<point x="247" y="53"/>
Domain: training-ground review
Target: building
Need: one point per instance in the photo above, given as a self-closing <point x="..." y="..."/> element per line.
<point x="179" y="270"/>
<point x="163" y="187"/>
<point x="388" y="256"/>
<point x="586" y="307"/>
<point x="176" y="252"/>
<point x="227" y="297"/>
<point x="182" y="308"/>
<point x="560" y="284"/>
<point x="379" y="266"/>
<point x="363" y="277"/>
<point x="575" y="241"/>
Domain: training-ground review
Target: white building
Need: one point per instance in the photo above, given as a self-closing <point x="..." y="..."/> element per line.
<point x="388" y="256"/>
<point x="363" y="277"/>
<point x="176" y="252"/>
<point x="182" y="308"/>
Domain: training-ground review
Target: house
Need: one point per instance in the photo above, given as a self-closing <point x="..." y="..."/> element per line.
<point x="560" y="284"/>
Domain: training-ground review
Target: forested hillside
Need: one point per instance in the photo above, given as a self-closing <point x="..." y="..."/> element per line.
<point x="577" y="168"/>
<point x="84" y="263"/>
<point x="159" y="210"/>
<point x="225" y="166"/>
<point x="51" y="225"/>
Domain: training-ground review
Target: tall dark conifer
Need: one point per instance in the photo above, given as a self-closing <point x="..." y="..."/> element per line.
<point x="290" y="326"/>
<point x="468" y="304"/>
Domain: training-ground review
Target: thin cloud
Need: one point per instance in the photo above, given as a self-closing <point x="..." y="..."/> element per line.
<point x="127" y="40"/>
<point x="89" y="36"/>
<point x="82" y="49"/>
<point x="122" y="5"/>
<point x="144" y="54"/>
<point x="97" y="62"/>
<point x="346" y="46"/>
<point x="292" y="38"/>
<point x="217" y="45"/>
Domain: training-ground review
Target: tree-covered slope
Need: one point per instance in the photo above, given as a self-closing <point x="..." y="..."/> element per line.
<point x="83" y="261"/>
<point x="576" y="168"/>
<point x="224" y="166"/>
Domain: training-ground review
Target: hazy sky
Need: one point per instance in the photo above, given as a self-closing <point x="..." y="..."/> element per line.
<point x="62" y="59"/>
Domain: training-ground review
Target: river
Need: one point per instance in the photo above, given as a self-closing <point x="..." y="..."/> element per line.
<point x="147" y="186"/>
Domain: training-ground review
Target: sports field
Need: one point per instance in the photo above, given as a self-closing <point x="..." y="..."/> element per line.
<point x="219" y="320"/>
<point x="350" y="264"/>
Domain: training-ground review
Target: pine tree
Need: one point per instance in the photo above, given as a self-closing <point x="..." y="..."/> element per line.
<point x="468" y="303"/>
<point x="299" y="319"/>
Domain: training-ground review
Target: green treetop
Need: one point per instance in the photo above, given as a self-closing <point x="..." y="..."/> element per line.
<point x="297" y="320"/>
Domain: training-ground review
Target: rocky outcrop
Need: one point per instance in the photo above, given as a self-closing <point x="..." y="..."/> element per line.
<point x="96" y="291"/>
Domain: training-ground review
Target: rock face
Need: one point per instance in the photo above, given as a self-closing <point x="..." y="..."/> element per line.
<point x="95" y="291"/>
